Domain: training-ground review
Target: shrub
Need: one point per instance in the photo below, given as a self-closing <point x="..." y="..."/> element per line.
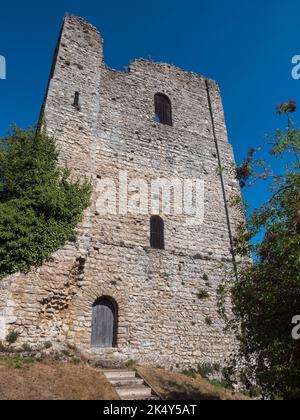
<point x="202" y="294"/>
<point x="205" y="370"/>
<point x="18" y="362"/>
<point x="26" y="347"/>
<point x="75" y="361"/>
<point x="190" y="373"/>
<point x="12" y="337"/>
<point x="220" y="384"/>
<point x="39" y="205"/>
<point x="265" y="291"/>
<point x="208" y="321"/>
<point x="130" y="363"/>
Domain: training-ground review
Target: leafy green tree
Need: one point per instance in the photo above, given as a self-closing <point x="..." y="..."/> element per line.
<point x="266" y="294"/>
<point x="39" y="205"/>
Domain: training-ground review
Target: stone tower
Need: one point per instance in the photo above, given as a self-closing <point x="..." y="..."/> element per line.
<point x="133" y="286"/>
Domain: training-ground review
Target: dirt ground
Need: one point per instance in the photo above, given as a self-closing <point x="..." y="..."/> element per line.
<point x="52" y="381"/>
<point x="29" y="379"/>
<point x="175" y="386"/>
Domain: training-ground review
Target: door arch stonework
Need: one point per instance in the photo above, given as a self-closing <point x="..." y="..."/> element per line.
<point x="104" y="323"/>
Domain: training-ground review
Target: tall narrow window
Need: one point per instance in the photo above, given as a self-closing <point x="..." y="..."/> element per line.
<point x="76" y="101"/>
<point x="163" y="109"/>
<point x="157" y="239"/>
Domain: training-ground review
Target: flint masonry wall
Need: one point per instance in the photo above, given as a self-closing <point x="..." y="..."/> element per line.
<point x="161" y="319"/>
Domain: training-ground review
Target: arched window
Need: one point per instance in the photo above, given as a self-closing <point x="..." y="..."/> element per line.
<point x="163" y="109"/>
<point x="76" y="101"/>
<point x="157" y="239"/>
<point x="104" y="323"/>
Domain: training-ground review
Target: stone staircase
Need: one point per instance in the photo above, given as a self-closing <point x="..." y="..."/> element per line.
<point x="129" y="385"/>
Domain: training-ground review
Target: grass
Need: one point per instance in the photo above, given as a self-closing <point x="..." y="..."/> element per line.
<point x="34" y="379"/>
<point x="219" y="384"/>
<point x="204" y="369"/>
<point x="75" y="361"/>
<point x="17" y="362"/>
<point x="176" y="386"/>
<point x="130" y="363"/>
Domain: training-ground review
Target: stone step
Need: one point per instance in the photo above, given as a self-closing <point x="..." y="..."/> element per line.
<point x="119" y="374"/>
<point x="106" y="364"/>
<point x="129" y="385"/>
<point x="134" y="392"/>
<point x="118" y="382"/>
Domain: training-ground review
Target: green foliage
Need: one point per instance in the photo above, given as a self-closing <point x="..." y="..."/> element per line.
<point x="208" y="321"/>
<point x="48" y="345"/>
<point x="202" y="294"/>
<point x="205" y="277"/>
<point x="220" y="384"/>
<point x="130" y="363"/>
<point x="12" y="337"/>
<point x="3" y="348"/>
<point x="75" y="361"/>
<point x="67" y="353"/>
<point x="266" y="295"/>
<point x="17" y="362"/>
<point x="39" y="205"/>
<point x="27" y="348"/>
<point x="205" y="370"/>
<point x="190" y="373"/>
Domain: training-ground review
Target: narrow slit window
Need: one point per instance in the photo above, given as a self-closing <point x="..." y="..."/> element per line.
<point x="163" y="109"/>
<point x="157" y="240"/>
<point x="76" y="100"/>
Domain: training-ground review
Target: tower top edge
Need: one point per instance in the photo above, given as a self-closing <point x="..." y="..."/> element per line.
<point x="86" y="26"/>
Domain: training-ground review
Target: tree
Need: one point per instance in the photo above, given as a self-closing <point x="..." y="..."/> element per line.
<point x="39" y="205"/>
<point x="266" y="294"/>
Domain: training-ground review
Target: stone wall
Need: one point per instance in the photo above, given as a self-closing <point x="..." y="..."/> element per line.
<point x="161" y="319"/>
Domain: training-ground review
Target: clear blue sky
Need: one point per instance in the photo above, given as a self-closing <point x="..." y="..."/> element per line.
<point x="246" y="45"/>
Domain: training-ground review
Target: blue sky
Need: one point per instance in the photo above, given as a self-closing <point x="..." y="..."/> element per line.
<point x="246" y="45"/>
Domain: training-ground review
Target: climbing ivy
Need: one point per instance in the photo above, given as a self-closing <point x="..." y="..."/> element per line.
<point x="39" y="205"/>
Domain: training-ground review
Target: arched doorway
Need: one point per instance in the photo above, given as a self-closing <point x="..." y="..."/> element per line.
<point x="104" y="323"/>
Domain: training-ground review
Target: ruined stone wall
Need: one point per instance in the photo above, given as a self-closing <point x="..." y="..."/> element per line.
<point x="161" y="319"/>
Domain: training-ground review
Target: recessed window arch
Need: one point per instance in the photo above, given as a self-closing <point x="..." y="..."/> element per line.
<point x="104" y="323"/>
<point x="157" y="234"/>
<point x="163" y="109"/>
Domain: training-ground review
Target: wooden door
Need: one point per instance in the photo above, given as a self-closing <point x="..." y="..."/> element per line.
<point x="103" y="323"/>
